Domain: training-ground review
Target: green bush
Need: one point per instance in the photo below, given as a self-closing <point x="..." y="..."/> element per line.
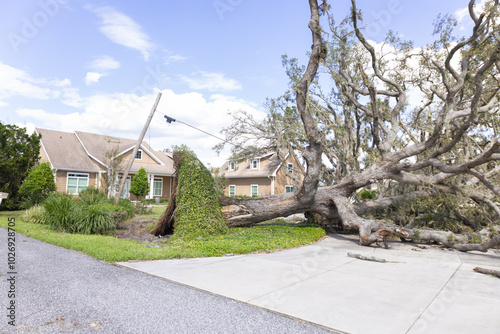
<point x="95" y="219"/>
<point x="37" y="186"/>
<point x="62" y="212"/>
<point x="139" y="185"/>
<point x="124" y="205"/>
<point x="35" y="215"/>
<point x="91" y="196"/>
<point x="198" y="212"/>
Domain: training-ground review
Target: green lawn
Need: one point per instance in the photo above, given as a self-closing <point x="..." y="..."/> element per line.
<point x="110" y="249"/>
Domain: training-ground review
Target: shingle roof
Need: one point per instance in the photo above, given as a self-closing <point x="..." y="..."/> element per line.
<point x="65" y="151"/>
<point x="87" y="151"/>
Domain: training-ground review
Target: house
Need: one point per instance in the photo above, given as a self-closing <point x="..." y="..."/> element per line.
<point x="81" y="159"/>
<point x="262" y="176"/>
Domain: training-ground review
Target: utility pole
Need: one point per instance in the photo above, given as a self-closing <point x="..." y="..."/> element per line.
<point x="134" y="153"/>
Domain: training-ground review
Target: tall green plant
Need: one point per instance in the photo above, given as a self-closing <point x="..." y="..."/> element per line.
<point x="37" y="186"/>
<point x="140" y="185"/>
<point x="62" y="212"/>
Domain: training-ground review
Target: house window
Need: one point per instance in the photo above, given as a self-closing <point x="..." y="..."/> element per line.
<point x="138" y="156"/>
<point x="255" y="190"/>
<point x="232" y="190"/>
<point x="255" y="164"/>
<point x="77" y="182"/>
<point x="157" y="187"/>
<point x="290" y="168"/>
<point x="233" y="165"/>
<point x="289" y="189"/>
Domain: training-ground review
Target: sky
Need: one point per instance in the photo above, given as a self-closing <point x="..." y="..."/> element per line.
<point x="97" y="66"/>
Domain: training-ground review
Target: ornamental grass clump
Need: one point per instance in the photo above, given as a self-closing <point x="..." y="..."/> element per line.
<point x="61" y="212"/>
<point x="89" y="213"/>
<point x="198" y="211"/>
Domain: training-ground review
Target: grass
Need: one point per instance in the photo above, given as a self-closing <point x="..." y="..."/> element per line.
<point x="110" y="249"/>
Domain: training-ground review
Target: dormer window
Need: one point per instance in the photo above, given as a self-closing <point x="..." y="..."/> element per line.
<point x="233" y="165"/>
<point x="138" y="156"/>
<point x="254" y="164"/>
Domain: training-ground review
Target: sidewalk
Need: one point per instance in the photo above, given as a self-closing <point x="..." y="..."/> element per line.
<point x="420" y="291"/>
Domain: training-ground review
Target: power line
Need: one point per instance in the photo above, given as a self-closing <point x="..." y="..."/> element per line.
<point x="171" y="120"/>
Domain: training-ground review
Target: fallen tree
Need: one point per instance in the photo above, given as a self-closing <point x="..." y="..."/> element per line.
<point x="370" y="133"/>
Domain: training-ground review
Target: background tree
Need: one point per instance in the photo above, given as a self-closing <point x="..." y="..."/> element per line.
<point x="140" y="185"/>
<point x="37" y="186"/>
<point x="18" y="153"/>
<point x="370" y="129"/>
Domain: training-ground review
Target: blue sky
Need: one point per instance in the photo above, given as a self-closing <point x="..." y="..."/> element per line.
<point x="97" y="66"/>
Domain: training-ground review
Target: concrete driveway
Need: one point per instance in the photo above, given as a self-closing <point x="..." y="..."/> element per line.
<point x="417" y="291"/>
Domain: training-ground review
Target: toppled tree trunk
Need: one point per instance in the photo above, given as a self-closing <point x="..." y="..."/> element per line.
<point x="165" y="224"/>
<point x="394" y="159"/>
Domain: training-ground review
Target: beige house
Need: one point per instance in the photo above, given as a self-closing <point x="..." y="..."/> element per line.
<point x="80" y="159"/>
<point x="262" y="176"/>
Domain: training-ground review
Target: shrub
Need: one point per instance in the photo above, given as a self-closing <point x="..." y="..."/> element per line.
<point x="61" y="212"/>
<point x="198" y="212"/>
<point x="95" y="219"/>
<point x="91" y="196"/>
<point x="35" y="215"/>
<point x="139" y="185"/>
<point x="123" y="205"/>
<point x="37" y="186"/>
<point x="142" y="209"/>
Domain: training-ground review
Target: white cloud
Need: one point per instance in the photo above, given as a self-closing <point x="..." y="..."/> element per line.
<point x="104" y="63"/>
<point x="16" y="82"/>
<point x="122" y="30"/>
<point x="92" y="77"/>
<point x="211" y="81"/>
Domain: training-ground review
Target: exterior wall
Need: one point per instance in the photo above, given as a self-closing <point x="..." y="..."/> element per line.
<point x="284" y="178"/>
<point x="243" y="186"/>
<point x="145" y="158"/>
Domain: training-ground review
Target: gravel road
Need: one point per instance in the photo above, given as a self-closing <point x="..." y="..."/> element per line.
<point x="63" y="291"/>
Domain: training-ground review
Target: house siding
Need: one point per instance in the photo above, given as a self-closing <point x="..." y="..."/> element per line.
<point x="283" y="178"/>
<point x="146" y="158"/>
<point x="243" y="186"/>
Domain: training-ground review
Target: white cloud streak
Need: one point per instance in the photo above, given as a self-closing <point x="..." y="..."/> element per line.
<point x="121" y="29"/>
<point x="212" y="82"/>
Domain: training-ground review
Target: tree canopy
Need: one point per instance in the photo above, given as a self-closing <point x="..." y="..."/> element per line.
<point x="18" y="153"/>
<point x="413" y="122"/>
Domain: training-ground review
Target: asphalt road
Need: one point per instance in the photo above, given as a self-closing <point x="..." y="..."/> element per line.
<point x="63" y="291"/>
